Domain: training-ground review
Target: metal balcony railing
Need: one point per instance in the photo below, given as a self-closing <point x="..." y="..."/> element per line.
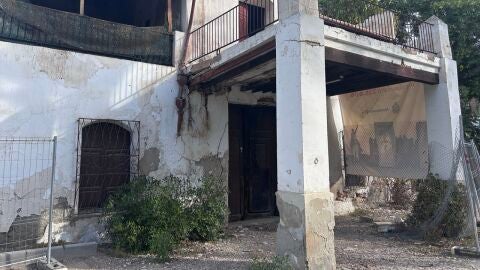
<point x="358" y="16"/>
<point x="372" y="20"/>
<point x="29" y="24"/>
<point x="242" y="21"/>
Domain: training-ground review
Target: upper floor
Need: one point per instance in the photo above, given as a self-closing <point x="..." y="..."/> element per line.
<point x="144" y="30"/>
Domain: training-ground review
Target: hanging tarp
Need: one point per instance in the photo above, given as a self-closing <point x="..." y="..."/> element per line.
<point x="35" y="25"/>
<point x="386" y="132"/>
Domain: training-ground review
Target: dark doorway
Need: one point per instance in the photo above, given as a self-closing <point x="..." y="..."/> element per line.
<point x="104" y="164"/>
<point x="132" y="12"/>
<point x="64" y="5"/>
<point x="252" y="161"/>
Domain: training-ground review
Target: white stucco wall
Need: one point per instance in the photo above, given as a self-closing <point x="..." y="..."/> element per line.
<point x="335" y="144"/>
<point x="43" y="92"/>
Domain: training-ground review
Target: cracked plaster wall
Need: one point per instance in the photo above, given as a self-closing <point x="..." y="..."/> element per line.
<point x="44" y="91"/>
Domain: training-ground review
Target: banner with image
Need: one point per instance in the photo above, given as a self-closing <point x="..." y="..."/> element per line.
<point x="386" y="132"/>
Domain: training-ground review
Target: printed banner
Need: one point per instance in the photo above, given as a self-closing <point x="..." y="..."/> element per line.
<point x="386" y="132"/>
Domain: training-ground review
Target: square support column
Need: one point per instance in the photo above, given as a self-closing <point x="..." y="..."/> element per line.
<point x="442" y="103"/>
<point x="304" y="200"/>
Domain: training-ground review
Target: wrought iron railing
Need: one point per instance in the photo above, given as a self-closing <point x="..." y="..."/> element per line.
<point x="370" y="19"/>
<point x="25" y="23"/>
<point x="358" y="16"/>
<point x="246" y="19"/>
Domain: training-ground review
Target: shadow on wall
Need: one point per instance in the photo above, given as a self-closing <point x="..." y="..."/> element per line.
<point x="136" y="78"/>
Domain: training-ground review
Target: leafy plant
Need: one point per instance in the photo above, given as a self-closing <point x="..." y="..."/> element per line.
<point x="149" y="215"/>
<point x="351" y="11"/>
<point x="208" y="211"/>
<point x="401" y="194"/>
<point x="432" y="192"/>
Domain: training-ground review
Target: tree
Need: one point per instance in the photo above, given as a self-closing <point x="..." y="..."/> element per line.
<point x="463" y="19"/>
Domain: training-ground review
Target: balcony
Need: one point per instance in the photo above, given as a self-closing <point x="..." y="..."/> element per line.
<point x="29" y="24"/>
<point x="368" y="19"/>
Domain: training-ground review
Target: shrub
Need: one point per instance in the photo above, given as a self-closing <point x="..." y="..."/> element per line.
<point x="148" y="215"/>
<point x="277" y="263"/>
<point x="208" y="211"/>
<point x="401" y="194"/>
<point x="432" y="192"/>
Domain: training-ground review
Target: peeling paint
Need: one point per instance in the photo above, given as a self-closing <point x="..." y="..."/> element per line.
<point x="150" y="161"/>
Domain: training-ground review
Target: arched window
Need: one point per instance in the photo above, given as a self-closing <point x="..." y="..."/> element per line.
<point x="104" y="163"/>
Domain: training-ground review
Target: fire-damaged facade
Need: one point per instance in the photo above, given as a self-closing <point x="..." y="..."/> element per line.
<point x="273" y="97"/>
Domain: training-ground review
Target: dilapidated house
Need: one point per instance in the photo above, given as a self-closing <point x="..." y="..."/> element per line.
<point x="249" y="94"/>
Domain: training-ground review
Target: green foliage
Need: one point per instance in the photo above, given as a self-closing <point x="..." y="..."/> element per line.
<point x="463" y="19"/>
<point x="277" y="263"/>
<point x="401" y="194"/>
<point x="431" y="193"/>
<point x="148" y="215"/>
<point x="208" y="211"/>
<point x="351" y="11"/>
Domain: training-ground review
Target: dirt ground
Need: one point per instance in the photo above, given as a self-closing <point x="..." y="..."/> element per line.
<point x="358" y="246"/>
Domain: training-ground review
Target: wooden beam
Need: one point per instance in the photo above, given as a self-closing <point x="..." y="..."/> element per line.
<point x="238" y="65"/>
<point x="367" y="63"/>
<point x="169" y="16"/>
<point x="368" y="81"/>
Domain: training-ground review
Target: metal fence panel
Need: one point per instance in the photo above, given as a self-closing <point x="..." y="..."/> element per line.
<point x="26" y="184"/>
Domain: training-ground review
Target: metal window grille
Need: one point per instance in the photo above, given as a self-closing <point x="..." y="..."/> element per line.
<point x="108" y="153"/>
<point x="27" y="169"/>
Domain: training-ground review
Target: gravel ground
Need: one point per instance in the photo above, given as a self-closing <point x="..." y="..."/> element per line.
<point x="358" y="246"/>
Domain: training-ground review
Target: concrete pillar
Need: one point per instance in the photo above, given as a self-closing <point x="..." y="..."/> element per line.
<point x="442" y="104"/>
<point x="304" y="200"/>
<point x="335" y="147"/>
<point x="82" y="7"/>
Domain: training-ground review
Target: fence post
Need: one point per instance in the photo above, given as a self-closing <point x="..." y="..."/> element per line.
<point x="54" y="156"/>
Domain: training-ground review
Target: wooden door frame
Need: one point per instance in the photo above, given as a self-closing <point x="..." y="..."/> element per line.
<point x="245" y="160"/>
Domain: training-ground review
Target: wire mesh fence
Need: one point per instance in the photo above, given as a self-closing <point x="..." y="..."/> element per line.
<point x="26" y="185"/>
<point x="471" y="171"/>
<point x="443" y="180"/>
<point x="396" y="149"/>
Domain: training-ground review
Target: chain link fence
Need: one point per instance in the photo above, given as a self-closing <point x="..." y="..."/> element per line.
<point x="390" y="153"/>
<point x="396" y="149"/>
<point x="26" y="182"/>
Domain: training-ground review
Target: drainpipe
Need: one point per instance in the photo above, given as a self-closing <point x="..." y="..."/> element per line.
<point x="182" y="79"/>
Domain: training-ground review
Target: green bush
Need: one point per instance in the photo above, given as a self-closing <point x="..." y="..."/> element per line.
<point x="148" y="215"/>
<point x="431" y="192"/>
<point x="277" y="263"/>
<point x="208" y="210"/>
<point x="401" y="194"/>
